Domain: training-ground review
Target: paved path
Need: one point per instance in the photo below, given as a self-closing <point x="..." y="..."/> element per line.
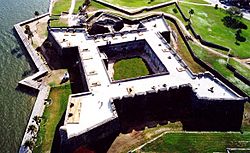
<point x="51" y="6"/>
<point x="71" y="9"/>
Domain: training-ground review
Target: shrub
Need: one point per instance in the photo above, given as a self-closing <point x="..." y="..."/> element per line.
<point x="175" y="10"/>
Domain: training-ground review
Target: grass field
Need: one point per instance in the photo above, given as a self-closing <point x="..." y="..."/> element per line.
<point x="61" y="6"/>
<point x="240" y="68"/>
<point x="96" y="6"/>
<point x="135" y="3"/>
<point x="197" y="1"/>
<point x="58" y="23"/>
<point x="207" y="22"/>
<point x="51" y="117"/>
<point x="198" y="142"/>
<point x="77" y="5"/>
<point x="130" y="68"/>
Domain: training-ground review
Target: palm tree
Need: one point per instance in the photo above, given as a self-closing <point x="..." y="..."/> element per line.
<point x="29" y="143"/>
<point x="27" y="29"/>
<point x="37" y="119"/>
<point x="32" y="128"/>
<point x="28" y="32"/>
<point x="191" y="12"/>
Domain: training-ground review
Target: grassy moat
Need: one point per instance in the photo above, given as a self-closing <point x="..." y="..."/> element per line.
<point x="198" y="142"/>
<point x="130" y="68"/>
<point x="51" y="118"/>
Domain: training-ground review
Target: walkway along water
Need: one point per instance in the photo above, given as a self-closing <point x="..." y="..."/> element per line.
<point x="31" y="82"/>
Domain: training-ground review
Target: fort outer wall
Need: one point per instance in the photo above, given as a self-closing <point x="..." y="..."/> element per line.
<point x="178" y="104"/>
<point x="147" y="109"/>
<point x="108" y="129"/>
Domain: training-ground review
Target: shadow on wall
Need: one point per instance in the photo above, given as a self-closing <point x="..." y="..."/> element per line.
<point x="160" y="107"/>
<point x="135" y="113"/>
<point x="56" y="145"/>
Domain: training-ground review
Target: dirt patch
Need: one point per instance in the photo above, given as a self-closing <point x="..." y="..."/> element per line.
<point x="39" y="31"/>
<point x="246" y="118"/>
<point x="54" y="78"/>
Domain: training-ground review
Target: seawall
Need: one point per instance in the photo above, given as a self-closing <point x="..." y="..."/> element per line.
<point x="43" y="89"/>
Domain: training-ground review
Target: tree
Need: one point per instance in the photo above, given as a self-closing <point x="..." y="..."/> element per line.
<point x="175" y="10"/>
<point x="32" y="129"/>
<point x="216" y="6"/>
<point x="27" y="29"/>
<point x="36" y="13"/>
<point x="191" y="12"/>
<point x="29" y="143"/>
<point x="28" y="32"/>
<point x="37" y="119"/>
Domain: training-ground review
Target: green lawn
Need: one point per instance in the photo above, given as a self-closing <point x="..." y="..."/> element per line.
<point x="207" y="22"/>
<point x="197" y="1"/>
<point x="135" y="3"/>
<point x="51" y="117"/>
<point x="77" y="5"/>
<point x="240" y="68"/>
<point x="61" y="6"/>
<point x="198" y="142"/>
<point x="130" y="68"/>
<point x="58" y="23"/>
<point x="96" y="6"/>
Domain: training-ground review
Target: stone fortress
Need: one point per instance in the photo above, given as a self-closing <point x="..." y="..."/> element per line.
<point x="103" y="106"/>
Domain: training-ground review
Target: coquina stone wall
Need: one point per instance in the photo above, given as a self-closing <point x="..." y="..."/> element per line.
<point x="178" y="104"/>
<point x="100" y="131"/>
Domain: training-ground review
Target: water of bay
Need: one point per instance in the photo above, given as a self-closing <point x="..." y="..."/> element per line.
<point x="15" y="106"/>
